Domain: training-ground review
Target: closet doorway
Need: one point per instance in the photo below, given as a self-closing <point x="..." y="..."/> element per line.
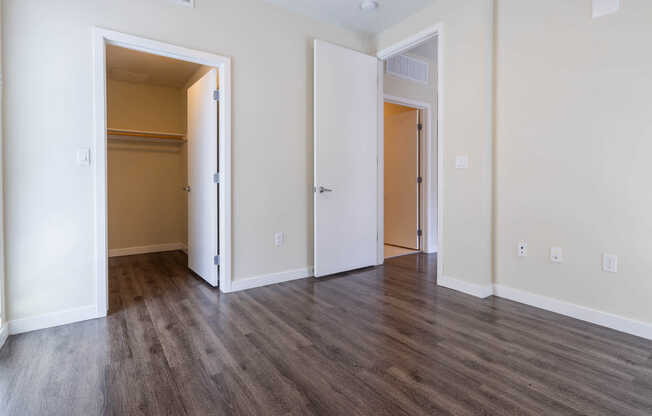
<point x="403" y="179"/>
<point x="162" y="119"/>
<point x="164" y="156"/>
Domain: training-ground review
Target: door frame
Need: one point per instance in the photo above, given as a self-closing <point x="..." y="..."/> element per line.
<point x="427" y="204"/>
<point x="102" y="38"/>
<point x="434" y="146"/>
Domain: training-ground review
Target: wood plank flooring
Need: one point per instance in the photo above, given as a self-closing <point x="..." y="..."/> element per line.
<point x="380" y="341"/>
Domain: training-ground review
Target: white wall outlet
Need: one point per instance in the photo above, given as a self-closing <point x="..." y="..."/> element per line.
<point x="556" y="255"/>
<point x="279" y="239"/>
<point x="610" y="263"/>
<point x="522" y="248"/>
<point x="462" y="162"/>
<point x="84" y="156"/>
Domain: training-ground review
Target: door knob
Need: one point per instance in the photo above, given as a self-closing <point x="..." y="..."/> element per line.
<point x="322" y="190"/>
<point x="186" y="188"/>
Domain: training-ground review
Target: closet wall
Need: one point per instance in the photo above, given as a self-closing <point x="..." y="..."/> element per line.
<point x="146" y="203"/>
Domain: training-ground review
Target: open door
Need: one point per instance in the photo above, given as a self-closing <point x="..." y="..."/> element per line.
<point x="202" y="186"/>
<point x="346" y="158"/>
<point x="402" y="177"/>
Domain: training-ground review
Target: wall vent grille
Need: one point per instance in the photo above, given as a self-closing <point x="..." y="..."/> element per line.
<point x="187" y="3"/>
<point x="408" y="68"/>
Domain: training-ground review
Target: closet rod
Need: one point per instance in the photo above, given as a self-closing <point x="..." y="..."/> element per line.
<point x="144" y="136"/>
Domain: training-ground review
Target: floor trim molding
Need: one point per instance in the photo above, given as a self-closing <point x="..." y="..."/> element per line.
<point x="473" y="289"/>
<point x="4" y="334"/>
<point x="606" y="319"/>
<point x="270" y="279"/>
<point x="583" y="313"/>
<point x="154" y="248"/>
<point x="49" y="320"/>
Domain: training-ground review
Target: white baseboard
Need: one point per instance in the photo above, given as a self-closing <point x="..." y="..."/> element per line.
<point x="4" y="333"/>
<point x="48" y="320"/>
<point x="473" y="289"/>
<point x="155" y="248"/>
<point x="431" y="250"/>
<point x="270" y="279"/>
<point x="609" y="320"/>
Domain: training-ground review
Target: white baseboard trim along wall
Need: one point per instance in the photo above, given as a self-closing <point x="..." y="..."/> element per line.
<point x="270" y="279"/>
<point x="608" y="320"/>
<point x="156" y="248"/>
<point x="473" y="289"/>
<point x="4" y="333"/>
<point x="618" y="323"/>
<point x="48" y="320"/>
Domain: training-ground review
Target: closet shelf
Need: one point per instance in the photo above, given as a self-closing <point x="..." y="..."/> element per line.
<point x="144" y="136"/>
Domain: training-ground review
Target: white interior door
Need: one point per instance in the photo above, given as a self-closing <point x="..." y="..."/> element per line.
<point x="346" y="157"/>
<point x="202" y="166"/>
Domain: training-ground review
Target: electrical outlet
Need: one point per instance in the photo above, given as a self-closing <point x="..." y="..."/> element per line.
<point x="556" y="255"/>
<point x="462" y="162"/>
<point x="610" y="263"/>
<point x="522" y="248"/>
<point x="279" y="239"/>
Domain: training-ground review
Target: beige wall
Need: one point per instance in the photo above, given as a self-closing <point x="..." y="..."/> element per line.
<point x="50" y="209"/>
<point x="146" y="203"/>
<point x="467" y="129"/>
<point x="134" y="106"/>
<point x="573" y="150"/>
<point x="393" y="109"/>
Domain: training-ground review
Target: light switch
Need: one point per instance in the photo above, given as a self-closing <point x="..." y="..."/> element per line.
<point x="462" y="162"/>
<point x="605" y="7"/>
<point x="84" y="156"/>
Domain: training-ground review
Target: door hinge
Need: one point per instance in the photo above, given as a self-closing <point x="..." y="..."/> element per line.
<point x="216" y="95"/>
<point x="216" y="260"/>
<point x="216" y="177"/>
<point x="420" y="126"/>
<point x="419" y="233"/>
<point x="419" y="179"/>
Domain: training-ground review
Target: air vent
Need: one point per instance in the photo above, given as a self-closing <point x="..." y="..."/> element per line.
<point x="408" y="68"/>
<point x="187" y="3"/>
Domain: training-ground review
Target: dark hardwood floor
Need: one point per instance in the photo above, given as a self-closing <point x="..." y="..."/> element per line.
<point x="381" y="341"/>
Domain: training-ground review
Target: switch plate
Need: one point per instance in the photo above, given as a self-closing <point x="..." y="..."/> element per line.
<point x="610" y="263"/>
<point x="556" y="255"/>
<point x="84" y="156"/>
<point x="462" y="162"/>
<point x="522" y="248"/>
<point x="279" y="239"/>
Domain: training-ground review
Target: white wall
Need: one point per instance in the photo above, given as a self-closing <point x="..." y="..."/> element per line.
<point x="466" y="46"/>
<point x="574" y="123"/>
<point x="49" y="210"/>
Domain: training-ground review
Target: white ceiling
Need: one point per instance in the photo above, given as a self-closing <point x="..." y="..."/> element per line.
<point x="144" y="68"/>
<point x="347" y="13"/>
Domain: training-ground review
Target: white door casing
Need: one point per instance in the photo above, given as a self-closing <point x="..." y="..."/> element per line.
<point x="202" y="166"/>
<point x="345" y="159"/>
